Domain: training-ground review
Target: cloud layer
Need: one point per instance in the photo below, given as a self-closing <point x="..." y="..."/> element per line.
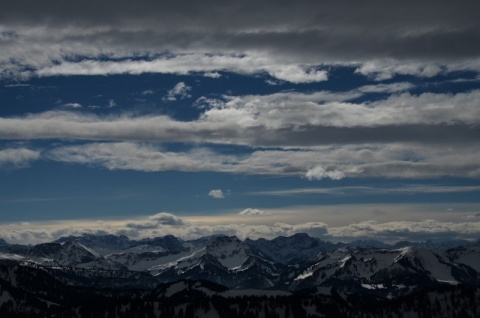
<point x="281" y="119"/>
<point x="447" y="225"/>
<point x="287" y="40"/>
<point x="314" y="135"/>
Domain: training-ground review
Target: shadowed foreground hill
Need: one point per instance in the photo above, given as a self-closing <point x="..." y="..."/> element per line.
<point x="32" y="292"/>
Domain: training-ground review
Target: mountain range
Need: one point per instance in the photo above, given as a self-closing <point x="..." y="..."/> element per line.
<point x="281" y="266"/>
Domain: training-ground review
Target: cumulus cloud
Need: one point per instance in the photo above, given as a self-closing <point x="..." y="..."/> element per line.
<point x="212" y="74"/>
<point x="18" y="157"/>
<point x="216" y="194"/>
<point x="318" y="173"/>
<point x="250" y="211"/>
<point x="179" y="91"/>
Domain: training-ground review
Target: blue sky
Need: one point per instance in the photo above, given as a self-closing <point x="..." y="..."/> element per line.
<point x="148" y="119"/>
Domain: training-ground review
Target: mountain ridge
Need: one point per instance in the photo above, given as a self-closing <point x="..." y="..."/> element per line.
<point x="284" y="263"/>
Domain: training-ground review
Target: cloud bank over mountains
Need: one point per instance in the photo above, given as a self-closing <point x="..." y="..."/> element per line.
<point x="245" y="224"/>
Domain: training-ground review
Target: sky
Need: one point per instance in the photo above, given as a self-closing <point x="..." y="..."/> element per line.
<point x="344" y="120"/>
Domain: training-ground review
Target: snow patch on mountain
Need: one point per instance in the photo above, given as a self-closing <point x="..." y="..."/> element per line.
<point x="175" y="260"/>
<point x="7" y="256"/>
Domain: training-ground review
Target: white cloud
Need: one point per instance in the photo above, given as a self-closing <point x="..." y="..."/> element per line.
<point x="216" y="194"/>
<point x="325" y="109"/>
<point x="318" y="173"/>
<point x="73" y="105"/>
<point x="212" y="74"/>
<point x="250" y="211"/>
<point x="192" y="62"/>
<point x="180" y="90"/>
<point x="298" y="74"/>
<point x="386" y="69"/>
<point x="18" y="157"/>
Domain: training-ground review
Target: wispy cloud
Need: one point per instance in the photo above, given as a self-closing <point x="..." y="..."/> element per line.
<point x="73" y="105"/>
<point x="362" y="190"/>
<point x="18" y="157"/>
<point x="250" y="212"/>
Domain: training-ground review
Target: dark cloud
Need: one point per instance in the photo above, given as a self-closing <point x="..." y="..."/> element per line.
<point x="307" y="135"/>
<point x="156" y="221"/>
<point x="312" y="32"/>
<point x="217" y="13"/>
